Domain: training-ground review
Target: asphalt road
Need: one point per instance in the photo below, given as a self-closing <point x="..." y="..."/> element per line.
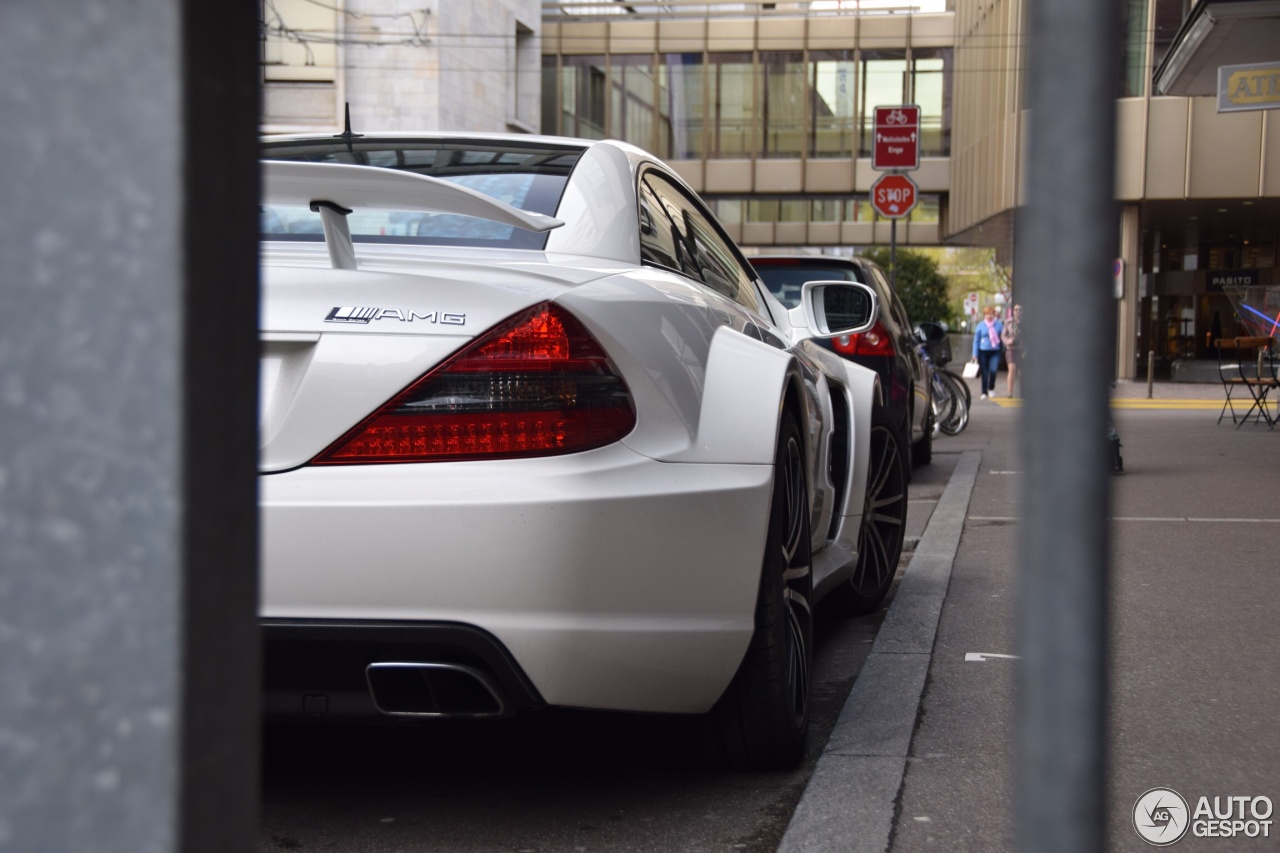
<point x="552" y="781"/>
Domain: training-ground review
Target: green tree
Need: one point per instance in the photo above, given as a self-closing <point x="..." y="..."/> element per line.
<point x="920" y="284"/>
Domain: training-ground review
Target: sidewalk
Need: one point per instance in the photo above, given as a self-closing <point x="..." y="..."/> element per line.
<point x="1195" y="647"/>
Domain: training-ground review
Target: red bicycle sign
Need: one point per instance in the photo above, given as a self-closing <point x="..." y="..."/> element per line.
<point x="897" y="138"/>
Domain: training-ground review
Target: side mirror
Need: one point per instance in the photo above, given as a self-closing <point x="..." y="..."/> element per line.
<point x="834" y="308"/>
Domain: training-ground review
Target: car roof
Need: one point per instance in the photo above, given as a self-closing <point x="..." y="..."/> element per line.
<point x="599" y="234"/>
<point x="433" y="135"/>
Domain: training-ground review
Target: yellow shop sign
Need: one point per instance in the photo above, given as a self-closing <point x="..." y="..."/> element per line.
<point x="1248" y="87"/>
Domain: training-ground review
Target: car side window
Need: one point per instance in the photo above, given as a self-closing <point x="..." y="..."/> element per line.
<point x="661" y="239"/>
<point x="684" y="238"/>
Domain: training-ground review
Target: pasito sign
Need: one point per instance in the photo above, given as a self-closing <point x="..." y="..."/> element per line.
<point x="897" y="138"/>
<point x="893" y="196"/>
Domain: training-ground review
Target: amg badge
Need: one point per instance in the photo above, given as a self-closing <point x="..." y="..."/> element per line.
<point x="356" y="314"/>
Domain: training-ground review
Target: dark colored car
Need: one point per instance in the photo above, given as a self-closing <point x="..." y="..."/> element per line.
<point x="890" y="348"/>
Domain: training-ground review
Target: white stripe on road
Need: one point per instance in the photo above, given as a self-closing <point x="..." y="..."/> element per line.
<point x="1007" y="518"/>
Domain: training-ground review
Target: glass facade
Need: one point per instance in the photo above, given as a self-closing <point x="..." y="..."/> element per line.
<point x="1133" y="66"/>
<point x="732" y="98"/>
<point x="931" y="90"/>
<point x="783" y="81"/>
<point x="832" y="99"/>
<point x="855" y="208"/>
<point x="884" y="83"/>
<point x="582" y="96"/>
<point x="681" y="106"/>
<point x="632" y="89"/>
<point x="769" y="104"/>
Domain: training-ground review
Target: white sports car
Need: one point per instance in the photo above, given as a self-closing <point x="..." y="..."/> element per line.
<point x="533" y="433"/>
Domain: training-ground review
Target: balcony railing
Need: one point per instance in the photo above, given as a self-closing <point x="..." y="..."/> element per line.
<point x="582" y="10"/>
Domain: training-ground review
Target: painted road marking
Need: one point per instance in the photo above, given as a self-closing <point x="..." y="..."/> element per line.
<point x="1143" y="404"/>
<point x="983" y="657"/>
<point x="1139" y="518"/>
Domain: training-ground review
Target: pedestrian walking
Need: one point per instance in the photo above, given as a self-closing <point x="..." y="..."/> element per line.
<point x="1012" y="339"/>
<point x="987" y="347"/>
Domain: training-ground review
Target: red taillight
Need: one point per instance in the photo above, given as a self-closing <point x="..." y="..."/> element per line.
<point x="535" y="385"/>
<point x="874" y="341"/>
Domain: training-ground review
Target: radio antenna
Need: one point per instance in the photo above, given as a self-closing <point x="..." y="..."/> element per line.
<point x="347" y="135"/>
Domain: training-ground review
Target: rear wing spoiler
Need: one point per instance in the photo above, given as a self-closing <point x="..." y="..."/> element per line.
<point x="335" y="190"/>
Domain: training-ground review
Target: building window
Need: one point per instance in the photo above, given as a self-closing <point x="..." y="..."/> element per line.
<point x="782" y="107"/>
<point x="549" y="97"/>
<point x="928" y="208"/>
<point x="1133" y="65"/>
<point x="859" y="209"/>
<point x="931" y="83"/>
<point x="762" y="210"/>
<point x="631" y="88"/>
<point x="833" y="96"/>
<point x="827" y="210"/>
<point x="732" y="100"/>
<point x="582" y="92"/>
<point x="884" y="84"/>
<point x="681" y="113"/>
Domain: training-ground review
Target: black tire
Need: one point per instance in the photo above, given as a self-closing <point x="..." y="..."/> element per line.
<point x="958" y="382"/>
<point x="762" y="720"/>
<point x="944" y="399"/>
<point x="884" y="523"/>
<point x="959" y="419"/>
<point x="922" y="450"/>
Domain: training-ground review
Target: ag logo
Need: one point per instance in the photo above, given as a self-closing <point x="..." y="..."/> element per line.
<point x="1161" y="816"/>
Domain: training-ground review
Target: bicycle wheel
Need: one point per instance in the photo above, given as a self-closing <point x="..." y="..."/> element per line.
<point x="959" y="382"/>
<point x="959" y="419"/>
<point x="944" y="399"/>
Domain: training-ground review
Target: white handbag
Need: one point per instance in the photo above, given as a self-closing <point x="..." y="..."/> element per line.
<point x="970" y="370"/>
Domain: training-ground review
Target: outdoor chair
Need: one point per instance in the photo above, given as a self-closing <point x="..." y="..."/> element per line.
<point x="1248" y="364"/>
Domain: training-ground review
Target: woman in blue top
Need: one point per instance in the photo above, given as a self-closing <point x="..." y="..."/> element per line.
<point x="987" y="347"/>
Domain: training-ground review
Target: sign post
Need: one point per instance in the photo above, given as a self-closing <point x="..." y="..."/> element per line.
<point x="896" y="149"/>
<point x="893" y="196"/>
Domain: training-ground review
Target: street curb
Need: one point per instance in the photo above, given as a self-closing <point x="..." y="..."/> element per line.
<point x="848" y="804"/>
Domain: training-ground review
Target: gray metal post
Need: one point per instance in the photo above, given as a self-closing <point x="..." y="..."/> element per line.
<point x="893" y="252"/>
<point x="1066" y="242"/>
<point x="128" y="277"/>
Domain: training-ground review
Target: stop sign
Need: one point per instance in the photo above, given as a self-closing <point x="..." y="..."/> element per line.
<point x="893" y="196"/>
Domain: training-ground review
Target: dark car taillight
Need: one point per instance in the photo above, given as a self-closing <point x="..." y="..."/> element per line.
<point x="874" y="341"/>
<point x="537" y="384"/>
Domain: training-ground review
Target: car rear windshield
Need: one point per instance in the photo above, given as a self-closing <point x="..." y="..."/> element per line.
<point x="784" y="278"/>
<point x="530" y="177"/>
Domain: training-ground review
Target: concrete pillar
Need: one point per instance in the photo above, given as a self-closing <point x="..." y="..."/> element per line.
<point x="1127" y="306"/>
<point x="128" y="279"/>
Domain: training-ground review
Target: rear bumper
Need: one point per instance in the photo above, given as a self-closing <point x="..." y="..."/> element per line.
<point x="609" y="579"/>
<point x="319" y="669"/>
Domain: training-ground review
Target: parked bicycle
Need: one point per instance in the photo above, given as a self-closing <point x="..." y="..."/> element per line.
<point x="951" y="395"/>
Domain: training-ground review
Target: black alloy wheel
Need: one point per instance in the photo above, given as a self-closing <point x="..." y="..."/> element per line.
<point x="884" y="522"/>
<point x="797" y="579"/>
<point x="922" y="450"/>
<point x="762" y="720"/>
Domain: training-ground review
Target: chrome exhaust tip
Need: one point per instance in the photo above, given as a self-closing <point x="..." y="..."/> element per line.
<point x="434" y="690"/>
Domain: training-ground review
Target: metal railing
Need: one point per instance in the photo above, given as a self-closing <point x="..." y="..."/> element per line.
<point x="580" y="10"/>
